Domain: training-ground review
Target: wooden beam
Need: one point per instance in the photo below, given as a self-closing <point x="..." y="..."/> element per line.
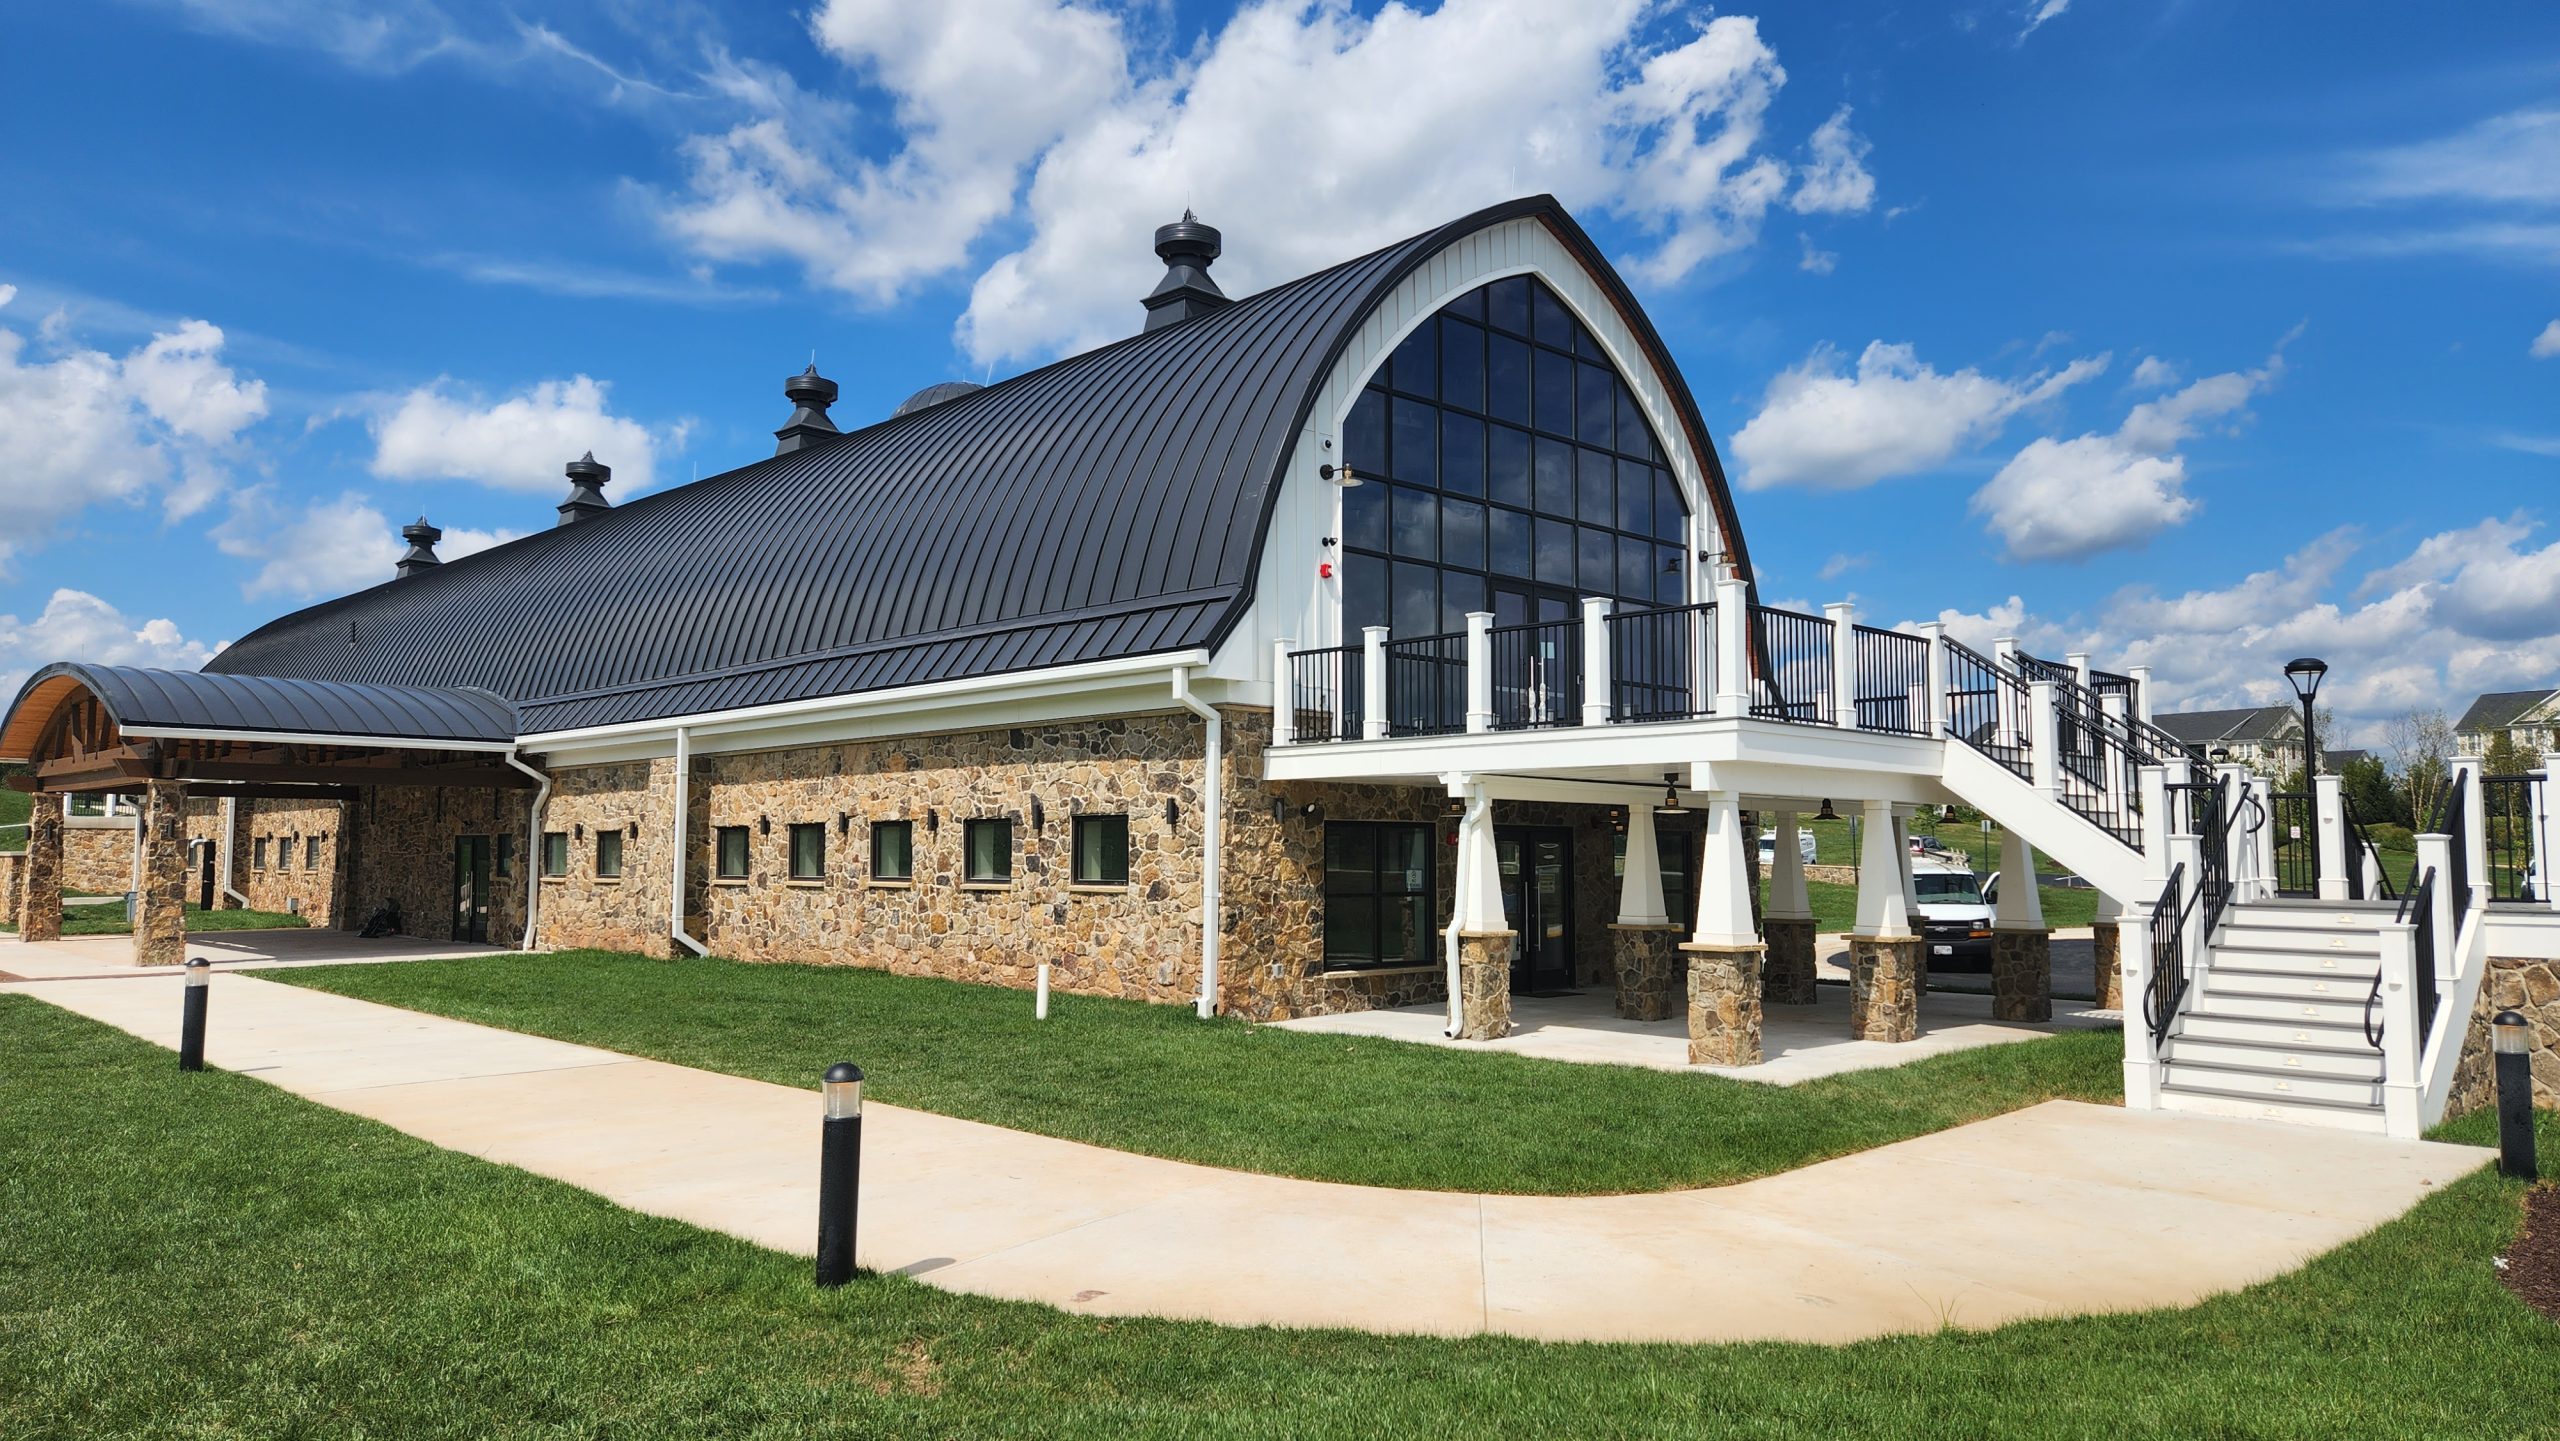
<point x="264" y="792"/>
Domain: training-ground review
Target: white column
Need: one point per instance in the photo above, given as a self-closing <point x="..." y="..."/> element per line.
<point x="1883" y="913"/>
<point x="1479" y="865"/>
<point x="1724" y="876"/>
<point x="2021" y="902"/>
<point x="1640" y="889"/>
<point x="1902" y="855"/>
<point x="1733" y="648"/>
<point x="2041" y="741"/>
<point x="1479" y="671"/>
<point x="2079" y="662"/>
<point x="1844" y="662"/>
<point x="1935" y="682"/>
<point x="2141" y="691"/>
<point x="1284" y="700"/>
<point x="1373" y="681"/>
<point x="2155" y="822"/>
<point x="2004" y="649"/>
<point x="2240" y="842"/>
<point x="2474" y="840"/>
<point x="1788" y="899"/>
<point x="1595" y="661"/>
<point x="2329" y="822"/>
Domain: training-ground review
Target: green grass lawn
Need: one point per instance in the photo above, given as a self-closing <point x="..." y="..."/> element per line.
<point x="108" y="920"/>
<point x="1157" y="1080"/>
<point x="196" y="1256"/>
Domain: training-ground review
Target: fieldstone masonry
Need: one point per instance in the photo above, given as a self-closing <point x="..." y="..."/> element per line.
<point x="160" y="910"/>
<point x="2532" y="989"/>
<point x="1790" y="966"/>
<point x="2021" y="974"/>
<point x="2107" y="943"/>
<point x="1484" y="984"/>
<point x="40" y="887"/>
<point x="1886" y="978"/>
<point x="13" y="866"/>
<point x="1724" y="1004"/>
<point x="1649" y="971"/>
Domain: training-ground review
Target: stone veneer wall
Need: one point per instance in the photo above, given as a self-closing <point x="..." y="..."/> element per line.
<point x="625" y="914"/>
<point x="97" y="853"/>
<point x="2532" y="988"/>
<point x="402" y="850"/>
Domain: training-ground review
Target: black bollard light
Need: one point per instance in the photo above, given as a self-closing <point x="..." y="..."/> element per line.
<point x="839" y="1173"/>
<point x="191" y="1024"/>
<point x="2511" y="1041"/>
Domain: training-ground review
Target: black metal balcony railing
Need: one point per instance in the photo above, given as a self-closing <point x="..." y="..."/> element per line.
<point x="1427" y="685"/>
<point x="2294" y="836"/>
<point x="1658" y="663"/>
<point x="1324" y="693"/>
<point x="2513" y="810"/>
<point x="1537" y="675"/>
<point x="1891" y="680"/>
<point x="1794" y="654"/>
<point x="1987" y="709"/>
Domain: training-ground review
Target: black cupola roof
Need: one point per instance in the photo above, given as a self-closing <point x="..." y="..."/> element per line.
<point x="422" y="539"/>
<point x="1187" y="248"/>
<point x="810" y="394"/>
<point x="587" y="476"/>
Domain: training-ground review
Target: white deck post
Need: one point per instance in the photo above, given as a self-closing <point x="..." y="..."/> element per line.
<point x="2079" y="661"/>
<point x="1640" y="889"/>
<point x="2474" y="840"/>
<point x="1284" y="700"/>
<point x="2111" y="773"/>
<point x="1788" y="899"/>
<point x="1844" y="663"/>
<point x="2141" y="691"/>
<point x="1479" y="671"/>
<point x="1373" y="681"/>
<point x="2546" y="841"/>
<point x="2435" y="852"/>
<point x="2041" y="739"/>
<point x="1733" y="648"/>
<point x="2402" y="1095"/>
<point x="1883" y="912"/>
<point x="2329" y="825"/>
<point x="1933" y="696"/>
<point x="2155" y="821"/>
<point x="1726" y="877"/>
<point x="1595" y="661"/>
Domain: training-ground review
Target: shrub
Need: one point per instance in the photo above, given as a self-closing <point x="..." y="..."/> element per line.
<point x="2391" y="837"/>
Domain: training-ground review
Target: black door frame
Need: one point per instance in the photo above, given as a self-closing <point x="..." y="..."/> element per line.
<point x="1528" y="919"/>
<point x="474" y="877"/>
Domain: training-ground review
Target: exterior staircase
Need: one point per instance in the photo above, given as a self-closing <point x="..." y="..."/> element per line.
<point x="2274" y="1027"/>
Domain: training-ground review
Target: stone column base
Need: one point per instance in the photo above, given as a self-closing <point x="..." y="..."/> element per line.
<point x="2108" y="944"/>
<point x="1724" y="1004"/>
<point x="1648" y="959"/>
<point x="1788" y="980"/>
<point x="1484" y="984"/>
<point x="160" y="907"/>
<point x="2021" y="974"/>
<point x="1886" y="977"/>
<point x="40" y="874"/>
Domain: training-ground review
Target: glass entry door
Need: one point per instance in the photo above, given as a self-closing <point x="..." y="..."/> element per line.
<point x="471" y="884"/>
<point x="1537" y="896"/>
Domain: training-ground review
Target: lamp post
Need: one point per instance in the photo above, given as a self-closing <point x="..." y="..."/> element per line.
<point x="839" y="1172"/>
<point x="2305" y="673"/>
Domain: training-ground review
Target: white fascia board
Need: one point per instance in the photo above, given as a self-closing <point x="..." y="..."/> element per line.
<point x="1097" y="688"/>
<point x="315" y="738"/>
<point x="2522" y="934"/>
<point x="1758" y="750"/>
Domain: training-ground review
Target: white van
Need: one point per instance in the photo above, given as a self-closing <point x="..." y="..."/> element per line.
<point x="1769" y="847"/>
<point x="1955" y="919"/>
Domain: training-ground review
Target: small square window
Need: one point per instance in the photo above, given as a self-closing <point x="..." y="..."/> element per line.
<point x="809" y="852"/>
<point x="893" y="856"/>
<point x="608" y="854"/>
<point x="311" y="853"/>
<point x="1102" y="850"/>
<point x="555" y="853"/>
<point x="733" y="853"/>
<point x="990" y="852"/>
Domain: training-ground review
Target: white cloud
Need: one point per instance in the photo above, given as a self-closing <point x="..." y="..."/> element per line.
<point x="2066" y="499"/>
<point x="1841" y="563"/>
<point x="2510" y="159"/>
<point x="1818" y="262"/>
<point x="2547" y="344"/>
<point x="518" y="443"/>
<point x="76" y="625"/>
<point x="2530" y="444"/>
<point x="1825" y="429"/>
<point x="325" y="548"/>
<point x="2047" y="10"/>
<point x="1041" y="117"/>
<point x="2153" y="373"/>
<point x="84" y="427"/>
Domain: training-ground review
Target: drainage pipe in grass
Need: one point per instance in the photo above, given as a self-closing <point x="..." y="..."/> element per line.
<point x="675" y="867"/>
<point x="1213" y="824"/>
<point x="533" y="847"/>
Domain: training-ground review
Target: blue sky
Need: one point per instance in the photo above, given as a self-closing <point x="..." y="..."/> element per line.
<point x="2198" y="335"/>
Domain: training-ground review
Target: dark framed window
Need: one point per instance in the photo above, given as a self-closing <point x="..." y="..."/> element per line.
<point x="1379" y="887"/>
<point x="1515" y="474"/>
<point x="893" y="850"/>
<point x="729" y="844"/>
<point x="505" y="865"/>
<point x="258" y="854"/>
<point x="1102" y="850"/>
<point x="311" y="853"/>
<point x="809" y="851"/>
<point x="608" y="855"/>
<point x="990" y="845"/>
<point x="555" y="853"/>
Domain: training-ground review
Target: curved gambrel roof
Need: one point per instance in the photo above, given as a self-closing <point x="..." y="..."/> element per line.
<point x="1112" y="504"/>
<point x="155" y="702"/>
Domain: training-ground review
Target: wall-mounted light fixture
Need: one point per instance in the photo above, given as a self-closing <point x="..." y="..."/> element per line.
<point x="932" y="819"/>
<point x="764" y="825"/>
<point x="1172" y="812"/>
<point x="1339" y="474"/>
<point x="1039" y="814"/>
<point x="844" y="823"/>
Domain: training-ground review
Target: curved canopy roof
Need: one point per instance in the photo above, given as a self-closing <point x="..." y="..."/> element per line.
<point x="1112" y="504"/>
<point x="154" y="702"/>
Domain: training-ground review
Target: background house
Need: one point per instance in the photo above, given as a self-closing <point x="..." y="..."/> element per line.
<point x="2267" y="738"/>
<point x="2527" y="718"/>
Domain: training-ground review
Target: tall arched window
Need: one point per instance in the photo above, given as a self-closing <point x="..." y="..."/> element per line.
<point x="1506" y="468"/>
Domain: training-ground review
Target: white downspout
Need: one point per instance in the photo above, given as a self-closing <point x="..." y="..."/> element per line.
<point x="230" y="820"/>
<point x="675" y="864"/>
<point x="1212" y="829"/>
<point x="533" y="849"/>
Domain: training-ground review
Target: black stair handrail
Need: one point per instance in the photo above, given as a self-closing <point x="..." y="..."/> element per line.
<point x="1985" y="701"/>
<point x="2167" y="989"/>
<point x="2418" y="911"/>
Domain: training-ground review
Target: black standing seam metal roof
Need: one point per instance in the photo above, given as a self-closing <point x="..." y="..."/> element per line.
<point x="1111" y="504"/>
<point x="151" y="700"/>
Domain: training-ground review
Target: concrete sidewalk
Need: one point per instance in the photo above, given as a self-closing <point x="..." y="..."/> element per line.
<point x="2058" y="1209"/>
<point x="112" y="956"/>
